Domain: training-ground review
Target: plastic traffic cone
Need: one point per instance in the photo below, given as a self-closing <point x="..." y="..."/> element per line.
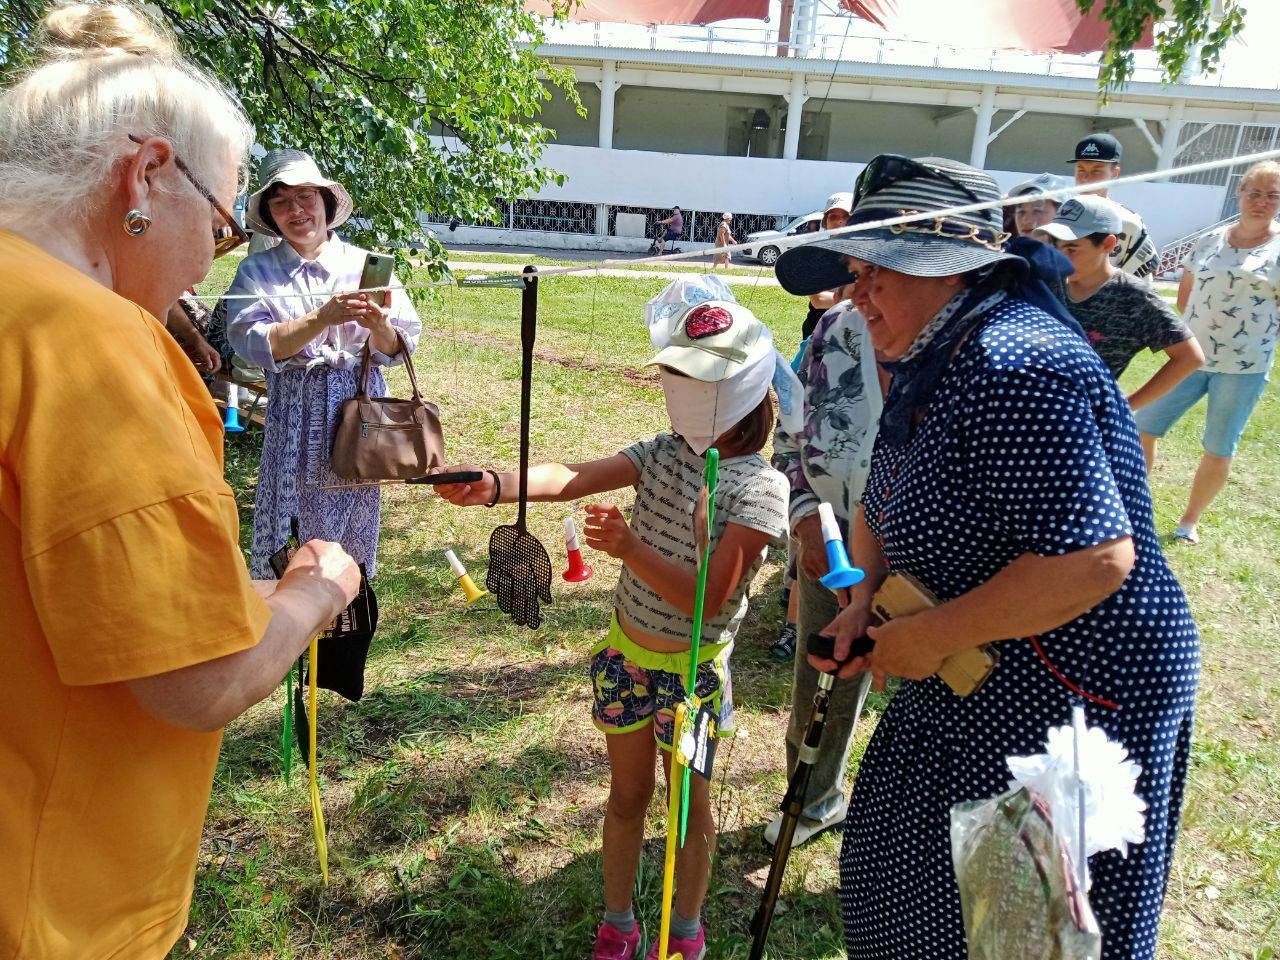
<point x="577" y="571"/>
<point x="231" y="418"/>
<point x="469" y="588"/>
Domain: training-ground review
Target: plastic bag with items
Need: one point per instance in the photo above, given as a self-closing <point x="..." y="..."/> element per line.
<point x="1018" y="892"/>
<point x="1021" y="858"/>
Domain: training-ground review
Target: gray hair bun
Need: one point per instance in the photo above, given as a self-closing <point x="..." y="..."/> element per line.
<point x="74" y="29"/>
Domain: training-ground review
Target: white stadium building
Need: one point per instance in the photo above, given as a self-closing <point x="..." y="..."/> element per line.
<point x="724" y="117"/>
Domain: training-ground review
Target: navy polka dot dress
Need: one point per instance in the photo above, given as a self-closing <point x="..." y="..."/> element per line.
<point x="1027" y="445"/>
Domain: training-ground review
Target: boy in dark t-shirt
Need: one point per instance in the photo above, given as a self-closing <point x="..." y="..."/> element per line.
<point x="1121" y="313"/>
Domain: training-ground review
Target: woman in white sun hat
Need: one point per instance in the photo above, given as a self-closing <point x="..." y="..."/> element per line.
<point x="307" y="332"/>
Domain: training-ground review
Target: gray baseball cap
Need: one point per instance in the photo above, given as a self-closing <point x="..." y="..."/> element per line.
<point x="1043" y="183"/>
<point x="1082" y="216"/>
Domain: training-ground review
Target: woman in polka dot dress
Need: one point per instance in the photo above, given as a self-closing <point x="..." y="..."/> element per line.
<point x="1008" y="478"/>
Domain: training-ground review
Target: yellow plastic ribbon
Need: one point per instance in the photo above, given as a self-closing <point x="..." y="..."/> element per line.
<point x="317" y="814"/>
<point x="673" y="835"/>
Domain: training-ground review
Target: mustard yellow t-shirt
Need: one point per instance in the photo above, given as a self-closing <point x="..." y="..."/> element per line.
<point x="119" y="559"/>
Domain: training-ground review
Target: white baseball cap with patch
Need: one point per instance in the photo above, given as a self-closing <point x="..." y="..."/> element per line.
<point x="839" y="201"/>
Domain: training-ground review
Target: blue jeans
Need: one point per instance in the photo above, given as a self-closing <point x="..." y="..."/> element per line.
<point x="1232" y="397"/>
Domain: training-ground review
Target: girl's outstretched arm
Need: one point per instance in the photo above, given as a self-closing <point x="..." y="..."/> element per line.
<point x="547" y="481"/>
<point x="607" y="530"/>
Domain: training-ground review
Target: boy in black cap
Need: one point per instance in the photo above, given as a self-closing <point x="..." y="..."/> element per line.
<point x="1097" y="160"/>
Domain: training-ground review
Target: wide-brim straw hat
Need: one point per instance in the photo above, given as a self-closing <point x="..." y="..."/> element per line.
<point x="293" y="168"/>
<point x="934" y="247"/>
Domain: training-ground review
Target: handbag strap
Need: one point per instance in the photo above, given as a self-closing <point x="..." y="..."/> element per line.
<point x="366" y="361"/>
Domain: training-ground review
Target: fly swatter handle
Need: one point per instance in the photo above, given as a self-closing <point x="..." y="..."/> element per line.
<point x="528" y="331"/>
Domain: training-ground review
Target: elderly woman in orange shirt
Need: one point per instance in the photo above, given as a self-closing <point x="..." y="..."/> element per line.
<point x="133" y="633"/>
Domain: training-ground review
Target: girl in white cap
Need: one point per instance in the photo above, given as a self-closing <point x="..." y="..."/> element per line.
<point x="307" y="332"/>
<point x="716" y="363"/>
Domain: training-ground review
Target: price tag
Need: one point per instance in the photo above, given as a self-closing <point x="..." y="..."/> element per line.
<point x="700" y="739"/>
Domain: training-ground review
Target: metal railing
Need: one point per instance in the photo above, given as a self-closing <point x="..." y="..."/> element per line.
<point x="1174" y="254"/>
<point x="840" y="37"/>
<point x="580" y="218"/>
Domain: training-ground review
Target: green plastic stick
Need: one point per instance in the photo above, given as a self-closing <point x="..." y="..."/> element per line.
<point x="710" y="480"/>
<point x="286" y="735"/>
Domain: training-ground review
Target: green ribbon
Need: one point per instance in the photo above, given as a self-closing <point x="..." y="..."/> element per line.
<point x="711" y="478"/>
<point x="286" y="735"/>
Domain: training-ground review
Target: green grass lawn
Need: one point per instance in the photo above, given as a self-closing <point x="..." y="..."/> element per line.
<point x="464" y="793"/>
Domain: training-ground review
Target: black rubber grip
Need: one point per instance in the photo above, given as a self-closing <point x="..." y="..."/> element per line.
<point x="458" y="476"/>
<point x="825" y="647"/>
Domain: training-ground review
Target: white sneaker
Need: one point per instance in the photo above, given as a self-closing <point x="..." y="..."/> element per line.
<point x="806" y="829"/>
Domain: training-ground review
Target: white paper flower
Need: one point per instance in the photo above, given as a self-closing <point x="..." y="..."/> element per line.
<point x="1108" y="780"/>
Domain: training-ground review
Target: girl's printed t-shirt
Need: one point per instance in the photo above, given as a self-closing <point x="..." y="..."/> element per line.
<point x="750" y="493"/>
<point x="1234" y="305"/>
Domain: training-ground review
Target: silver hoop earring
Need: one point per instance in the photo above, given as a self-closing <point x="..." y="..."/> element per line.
<point x="136" y="223"/>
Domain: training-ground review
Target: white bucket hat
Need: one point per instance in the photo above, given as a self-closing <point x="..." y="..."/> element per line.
<point x="293" y="168"/>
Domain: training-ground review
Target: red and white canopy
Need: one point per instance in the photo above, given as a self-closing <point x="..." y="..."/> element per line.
<point x="1033" y="25"/>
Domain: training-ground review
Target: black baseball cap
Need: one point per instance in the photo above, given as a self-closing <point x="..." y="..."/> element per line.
<point x="1098" y="146"/>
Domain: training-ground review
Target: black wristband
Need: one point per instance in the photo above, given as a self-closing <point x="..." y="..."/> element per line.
<point x="497" y="488"/>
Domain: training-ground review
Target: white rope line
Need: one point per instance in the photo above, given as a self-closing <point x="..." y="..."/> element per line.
<point x="787" y="242"/>
<point x="215" y="297"/>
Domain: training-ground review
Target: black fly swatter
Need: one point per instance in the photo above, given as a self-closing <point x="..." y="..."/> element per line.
<point x="519" y="568"/>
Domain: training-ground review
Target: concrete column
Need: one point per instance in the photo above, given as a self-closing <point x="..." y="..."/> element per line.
<point x="795" y="116"/>
<point x="982" y="127"/>
<point x="602" y="219"/>
<point x="1168" y="152"/>
<point x="608" y="87"/>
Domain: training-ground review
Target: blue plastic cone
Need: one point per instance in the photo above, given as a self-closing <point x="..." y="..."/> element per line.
<point x="231" y="419"/>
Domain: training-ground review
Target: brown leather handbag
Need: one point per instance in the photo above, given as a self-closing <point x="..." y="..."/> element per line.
<point x="385" y="438"/>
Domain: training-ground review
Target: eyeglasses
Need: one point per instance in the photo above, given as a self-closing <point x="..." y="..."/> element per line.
<point x="225" y="239"/>
<point x="281" y="203"/>
<point x="888" y="169"/>
<point x="1253" y="196"/>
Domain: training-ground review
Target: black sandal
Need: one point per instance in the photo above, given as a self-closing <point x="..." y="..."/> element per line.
<point x="784" y="648"/>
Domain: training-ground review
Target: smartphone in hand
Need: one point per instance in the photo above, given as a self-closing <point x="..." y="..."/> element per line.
<point x="377" y="273"/>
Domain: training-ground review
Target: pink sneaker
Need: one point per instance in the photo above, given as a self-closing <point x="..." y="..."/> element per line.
<point x="693" y="949"/>
<point x="613" y="944"/>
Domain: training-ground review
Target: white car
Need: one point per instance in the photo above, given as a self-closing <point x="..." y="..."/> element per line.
<point x="763" y="246"/>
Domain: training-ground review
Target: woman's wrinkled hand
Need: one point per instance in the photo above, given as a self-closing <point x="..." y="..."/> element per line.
<point x="813" y="549"/>
<point x="373" y="317"/>
<point x="849" y="624"/>
<point x="326" y="570"/>
<point x="477" y="494"/>
<point x="905" y="647"/>
<point x="342" y="308"/>
<point x="203" y="356"/>
<point x="607" y="530"/>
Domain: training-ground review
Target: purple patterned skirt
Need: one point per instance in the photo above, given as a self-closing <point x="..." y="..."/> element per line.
<point x="302" y="412"/>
